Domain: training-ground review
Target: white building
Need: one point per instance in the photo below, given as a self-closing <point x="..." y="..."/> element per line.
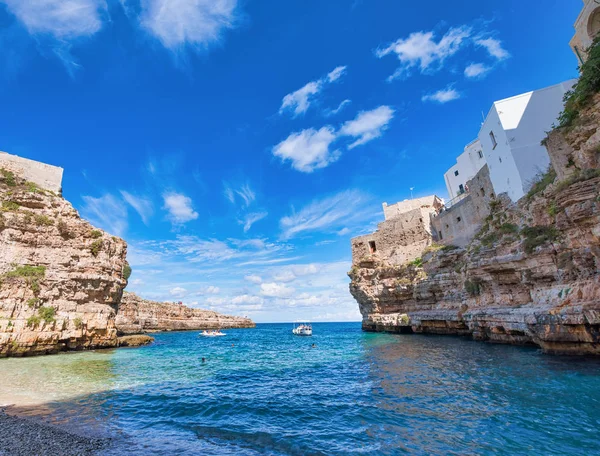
<point x="511" y="137"/>
<point x="467" y="165"/>
<point x="587" y="26"/>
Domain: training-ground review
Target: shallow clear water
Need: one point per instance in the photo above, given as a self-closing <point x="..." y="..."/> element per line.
<point x="265" y="391"/>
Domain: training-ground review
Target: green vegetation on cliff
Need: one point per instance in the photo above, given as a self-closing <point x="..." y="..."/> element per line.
<point x="587" y="86"/>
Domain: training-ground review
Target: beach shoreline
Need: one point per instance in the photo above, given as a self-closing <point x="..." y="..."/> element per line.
<point x="22" y="435"/>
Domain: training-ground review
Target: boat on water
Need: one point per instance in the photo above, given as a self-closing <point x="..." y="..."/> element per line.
<point x="302" y="328"/>
<point x="216" y="333"/>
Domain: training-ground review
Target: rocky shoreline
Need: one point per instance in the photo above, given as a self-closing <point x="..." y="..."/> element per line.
<point x="26" y="436"/>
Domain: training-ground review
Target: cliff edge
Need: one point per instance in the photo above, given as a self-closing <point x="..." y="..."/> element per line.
<point x="61" y="279"/>
<point x="531" y="275"/>
<point x="137" y="315"/>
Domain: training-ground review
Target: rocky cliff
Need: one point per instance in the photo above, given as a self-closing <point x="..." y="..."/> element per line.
<point x="137" y="315"/>
<point x="61" y="279"/>
<point x="530" y="276"/>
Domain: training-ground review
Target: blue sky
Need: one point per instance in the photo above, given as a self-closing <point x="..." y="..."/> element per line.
<point x="238" y="145"/>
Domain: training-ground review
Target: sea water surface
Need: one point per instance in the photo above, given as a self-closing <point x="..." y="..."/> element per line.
<point x="266" y="391"/>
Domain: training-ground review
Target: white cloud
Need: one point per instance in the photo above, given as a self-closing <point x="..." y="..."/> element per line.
<point x="344" y="231"/>
<point x="253" y="278"/>
<point x="245" y="192"/>
<point x="62" y="19"/>
<point x="494" y="48"/>
<point x="309" y="149"/>
<point x="143" y="206"/>
<point x="246" y="299"/>
<point x="476" y="70"/>
<point x="276" y="290"/>
<point x="194" y="22"/>
<point x="107" y="212"/>
<point x="251" y="218"/>
<point x="368" y="125"/>
<point x="300" y="100"/>
<point x="337" y="73"/>
<point x="192" y="249"/>
<point x="333" y="112"/>
<point x="212" y="289"/>
<point x="422" y="50"/>
<point x="284" y="276"/>
<point x="178" y="292"/>
<point x="179" y="208"/>
<point x="328" y="214"/>
<point x="442" y="96"/>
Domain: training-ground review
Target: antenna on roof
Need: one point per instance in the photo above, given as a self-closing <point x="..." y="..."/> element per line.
<point x="411" y="189"/>
<point x="482" y="119"/>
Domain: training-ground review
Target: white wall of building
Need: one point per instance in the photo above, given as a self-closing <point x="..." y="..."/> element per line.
<point x="467" y="165"/>
<point x="519" y="124"/>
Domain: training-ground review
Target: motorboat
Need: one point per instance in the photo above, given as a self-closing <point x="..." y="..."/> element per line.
<point x="302" y="328"/>
<point x="213" y="333"/>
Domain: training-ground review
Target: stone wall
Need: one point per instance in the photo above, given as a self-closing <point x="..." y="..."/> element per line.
<point x="43" y="175"/>
<point x="459" y="224"/>
<point x="396" y="241"/>
<point x="396" y="210"/>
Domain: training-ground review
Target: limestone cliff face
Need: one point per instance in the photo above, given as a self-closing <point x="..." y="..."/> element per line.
<point x="137" y="315"/>
<point x="61" y="278"/>
<point x="532" y="275"/>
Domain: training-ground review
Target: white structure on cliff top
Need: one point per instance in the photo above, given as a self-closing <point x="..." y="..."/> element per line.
<point x="45" y="176"/>
<point x="467" y="165"/>
<point x="511" y="137"/>
<point x="587" y="26"/>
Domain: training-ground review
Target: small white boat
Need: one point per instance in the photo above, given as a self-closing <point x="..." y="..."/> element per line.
<point x="302" y="328"/>
<point x="217" y="333"/>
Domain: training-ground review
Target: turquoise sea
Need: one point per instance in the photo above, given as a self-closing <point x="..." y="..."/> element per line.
<point x="264" y="391"/>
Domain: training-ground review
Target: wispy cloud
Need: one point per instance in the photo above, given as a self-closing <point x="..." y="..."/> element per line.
<point x="328" y="214"/>
<point x="179" y="208"/>
<point x="367" y="125"/>
<point x="476" y="70"/>
<point x="333" y="112"/>
<point x="193" y="249"/>
<point x="244" y="192"/>
<point x="421" y="50"/>
<point x="308" y="149"/>
<point x="299" y="101"/>
<point x="62" y="19"/>
<point x="494" y="48"/>
<point x="197" y="23"/>
<point x="142" y="206"/>
<point x="442" y="96"/>
<point x="58" y="24"/>
<point x="108" y="212"/>
<point x="250" y="219"/>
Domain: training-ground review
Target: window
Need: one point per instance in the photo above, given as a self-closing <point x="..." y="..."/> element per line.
<point x="456" y="173"/>
<point x="493" y="138"/>
<point x="480" y="153"/>
<point x="458" y="219"/>
<point x="482" y="190"/>
<point x="441" y="236"/>
<point x="461" y="189"/>
<point x="500" y="159"/>
<point x="372" y="247"/>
